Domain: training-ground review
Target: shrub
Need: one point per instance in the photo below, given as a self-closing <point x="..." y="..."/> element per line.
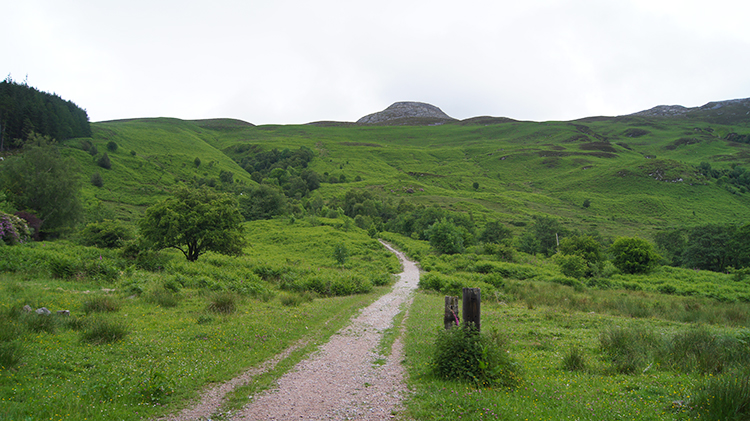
<point x="445" y="237"/>
<point x="340" y="254"/>
<point x="112" y="146"/>
<point x="97" y="180"/>
<point x="571" y="265"/>
<point x="465" y="354"/>
<point x="103" y="331"/>
<point x="105" y="234"/>
<point x="104" y="162"/>
<point x="633" y="255"/>
<point x="13" y="230"/>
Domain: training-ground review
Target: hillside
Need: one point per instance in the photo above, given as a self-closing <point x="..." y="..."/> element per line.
<point x="638" y="172"/>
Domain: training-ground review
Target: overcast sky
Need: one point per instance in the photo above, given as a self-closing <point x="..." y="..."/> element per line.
<point x="297" y="61"/>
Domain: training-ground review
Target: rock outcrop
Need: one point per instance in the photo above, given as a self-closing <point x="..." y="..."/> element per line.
<point x="408" y="113"/>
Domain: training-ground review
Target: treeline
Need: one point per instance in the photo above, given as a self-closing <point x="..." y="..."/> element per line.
<point x="25" y="110"/>
<point x="286" y="169"/>
<point x="736" y="179"/>
<point x="709" y="247"/>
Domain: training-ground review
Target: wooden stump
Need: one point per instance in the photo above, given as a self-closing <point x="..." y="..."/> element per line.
<point x="471" y="307"/>
<point x="451" y="312"/>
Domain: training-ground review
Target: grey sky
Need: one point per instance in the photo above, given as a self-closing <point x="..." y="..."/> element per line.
<point x="292" y="61"/>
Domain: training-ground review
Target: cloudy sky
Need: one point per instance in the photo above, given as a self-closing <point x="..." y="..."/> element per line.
<point x="297" y="61"/>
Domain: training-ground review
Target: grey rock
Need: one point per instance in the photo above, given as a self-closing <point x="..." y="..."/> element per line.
<point x="402" y="110"/>
<point x="43" y="311"/>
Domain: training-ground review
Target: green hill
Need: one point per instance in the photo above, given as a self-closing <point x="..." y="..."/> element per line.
<point x="639" y="173"/>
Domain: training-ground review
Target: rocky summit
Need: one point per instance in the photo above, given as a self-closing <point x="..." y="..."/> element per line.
<point x="404" y="111"/>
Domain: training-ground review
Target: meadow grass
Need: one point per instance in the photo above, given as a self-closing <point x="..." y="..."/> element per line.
<point x="553" y="388"/>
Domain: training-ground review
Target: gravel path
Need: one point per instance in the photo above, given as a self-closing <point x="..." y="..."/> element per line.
<point x="346" y="379"/>
<point x="343" y="381"/>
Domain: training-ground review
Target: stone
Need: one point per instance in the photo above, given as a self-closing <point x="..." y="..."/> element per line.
<point x="43" y="311"/>
<point x="63" y="312"/>
<point x="27" y="308"/>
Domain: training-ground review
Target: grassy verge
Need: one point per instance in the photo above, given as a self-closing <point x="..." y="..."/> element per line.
<point x="567" y="371"/>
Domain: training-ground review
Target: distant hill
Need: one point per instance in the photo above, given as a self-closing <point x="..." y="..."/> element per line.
<point x="732" y="111"/>
<point x="408" y="113"/>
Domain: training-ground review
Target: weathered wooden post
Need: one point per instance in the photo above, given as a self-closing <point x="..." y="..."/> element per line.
<point x="451" y="312"/>
<point x="471" y="307"/>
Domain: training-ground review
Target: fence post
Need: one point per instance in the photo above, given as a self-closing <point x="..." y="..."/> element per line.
<point x="471" y="307"/>
<point x="450" y="318"/>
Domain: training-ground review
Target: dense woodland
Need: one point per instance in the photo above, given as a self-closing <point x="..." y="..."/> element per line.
<point x="24" y="109"/>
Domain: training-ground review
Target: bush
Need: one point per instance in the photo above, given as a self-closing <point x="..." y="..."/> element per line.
<point x="97" y="180"/>
<point x="465" y="354"/>
<point x="571" y="265"/>
<point x="340" y="254"/>
<point x="112" y="146"/>
<point x="13" y="230"/>
<point x="63" y="266"/>
<point x="104" y="162"/>
<point x="633" y="255"/>
<point x="445" y="237"/>
<point x="105" y="234"/>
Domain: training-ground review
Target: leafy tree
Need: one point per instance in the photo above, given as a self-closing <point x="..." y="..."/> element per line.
<point x="672" y="244"/>
<point x="262" y="202"/>
<point x="197" y="162"/>
<point x="195" y="221"/>
<point x="340" y="254"/>
<point x="587" y="248"/>
<point x="42" y="182"/>
<point x="586" y="203"/>
<point x="475" y="185"/>
<point x="633" y="255"/>
<point x="226" y="177"/>
<point x="112" y="146"/>
<point x="495" y="232"/>
<point x="708" y="247"/>
<point x="446" y="237"/>
<point x="542" y="236"/>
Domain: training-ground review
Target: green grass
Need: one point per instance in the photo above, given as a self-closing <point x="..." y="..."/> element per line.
<point x="540" y="340"/>
<point x="635" y="185"/>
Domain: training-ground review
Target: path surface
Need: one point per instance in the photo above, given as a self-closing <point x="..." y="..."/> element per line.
<point x="342" y="381"/>
<point x="346" y="379"/>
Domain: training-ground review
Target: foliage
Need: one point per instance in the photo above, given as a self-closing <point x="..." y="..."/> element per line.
<point x="105" y="234"/>
<point x="262" y="202"/>
<point x="574" y="360"/>
<point x="542" y="236"/>
<point x="464" y="354"/>
<point x="97" y="180"/>
<point x="223" y="302"/>
<point x="13" y="230"/>
<point x="112" y="146"/>
<point x="587" y="248"/>
<point x="101" y="304"/>
<point x="195" y="222"/>
<point x="633" y="255"/>
<point x="572" y="265"/>
<point x="24" y="109"/>
<point x="340" y="254"/>
<point x="445" y="237"/>
<point x="104" y="162"/>
<point x="43" y="182"/>
<point x="495" y="232"/>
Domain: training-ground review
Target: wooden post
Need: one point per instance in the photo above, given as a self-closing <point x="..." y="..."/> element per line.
<point x="451" y="312"/>
<point x="471" y="307"/>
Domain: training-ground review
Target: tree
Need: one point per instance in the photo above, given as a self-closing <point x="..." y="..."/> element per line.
<point x="707" y="247"/>
<point x="42" y="182"/>
<point x="586" y="247"/>
<point x="112" y="146"/>
<point x="195" y="221"/>
<point x="633" y="255"/>
<point x="97" y="180"/>
<point x="445" y="237"/>
<point x="495" y="232"/>
<point x="262" y="202"/>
